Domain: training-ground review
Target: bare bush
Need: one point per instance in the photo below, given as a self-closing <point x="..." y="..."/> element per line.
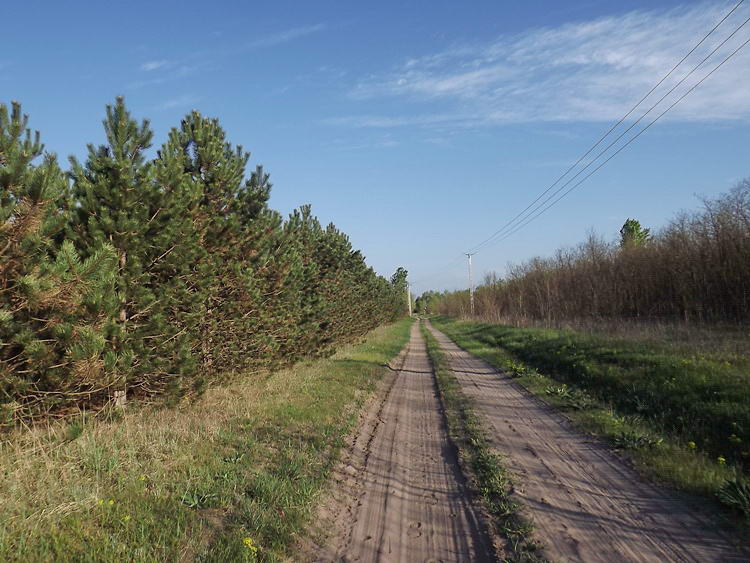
<point x="697" y="268"/>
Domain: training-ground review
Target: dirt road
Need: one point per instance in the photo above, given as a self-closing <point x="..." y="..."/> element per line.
<point x="586" y="504"/>
<point x="400" y="494"/>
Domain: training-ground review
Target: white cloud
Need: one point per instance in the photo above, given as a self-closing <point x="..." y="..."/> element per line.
<point x="287" y="35"/>
<point x="173" y="72"/>
<point x="585" y="71"/>
<point x="185" y="100"/>
<point x="153" y="65"/>
<point x="388" y="122"/>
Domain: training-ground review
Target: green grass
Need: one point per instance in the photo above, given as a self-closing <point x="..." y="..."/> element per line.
<point x="485" y="468"/>
<point x="682" y="419"/>
<point x="193" y="482"/>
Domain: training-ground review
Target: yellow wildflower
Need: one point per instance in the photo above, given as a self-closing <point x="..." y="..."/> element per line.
<point x="691" y="445"/>
<point x="100" y="501"/>
<point x="142" y="478"/>
<point x="111" y="502"/>
<point x="250" y="545"/>
<point x="126" y="518"/>
<point x="722" y="460"/>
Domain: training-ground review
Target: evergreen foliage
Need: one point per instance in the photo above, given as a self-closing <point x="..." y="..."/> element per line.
<point x="52" y="303"/>
<point x="633" y="234"/>
<point x="155" y="275"/>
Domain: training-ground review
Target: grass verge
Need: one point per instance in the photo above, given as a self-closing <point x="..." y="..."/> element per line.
<point x="231" y="477"/>
<point x="485" y="468"/>
<point x="673" y="416"/>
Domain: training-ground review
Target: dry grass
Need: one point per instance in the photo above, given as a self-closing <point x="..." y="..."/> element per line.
<point x="136" y="485"/>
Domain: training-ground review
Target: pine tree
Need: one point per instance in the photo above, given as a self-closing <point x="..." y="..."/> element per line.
<point x="52" y="304"/>
<point x="273" y="265"/>
<point x="154" y="275"/>
<point x="302" y="232"/>
<point x="233" y="222"/>
<point x="632" y="234"/>
<point x="144" y="209"/>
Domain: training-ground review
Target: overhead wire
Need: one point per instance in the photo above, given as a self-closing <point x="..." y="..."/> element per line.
<point x="620" y="136"/>
<point x="613" y="127"/>
<point x="537" y="210"/>
<point x="717" y="67"/>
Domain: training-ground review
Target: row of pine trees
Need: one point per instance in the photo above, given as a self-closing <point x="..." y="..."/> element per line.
<point x="138" y="276"/>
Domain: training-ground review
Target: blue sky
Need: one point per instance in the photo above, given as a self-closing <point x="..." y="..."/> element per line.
<point x="417" y="128"/>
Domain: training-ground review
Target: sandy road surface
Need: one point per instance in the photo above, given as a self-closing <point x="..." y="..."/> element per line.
<point x="401" y="495"/>
<point x="586" y="504"/>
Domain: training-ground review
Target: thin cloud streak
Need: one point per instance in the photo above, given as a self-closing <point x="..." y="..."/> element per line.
<point x="287" y="35"/>
<point x="384" y="122"/>
<point x="586" y="71"/>
<point x="179" y="102"/>
<point x="175" y="70"/>
<point x="168" y="74"/>
<point x="153" y="65"/>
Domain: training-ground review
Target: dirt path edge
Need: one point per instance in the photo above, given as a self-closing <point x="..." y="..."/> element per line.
<point x="331" y="521"/>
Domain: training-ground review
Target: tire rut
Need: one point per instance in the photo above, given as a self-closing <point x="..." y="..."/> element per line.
<point x="404" y="495"/>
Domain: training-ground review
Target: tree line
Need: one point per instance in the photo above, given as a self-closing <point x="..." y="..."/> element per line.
<point x="137" y="276"/>
<point x="697" y="268"/>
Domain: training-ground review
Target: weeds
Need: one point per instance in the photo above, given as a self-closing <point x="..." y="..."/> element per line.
<point x="631" y="440"/>
<point x="73" y="431"/>
<point x="736" y="495"/>
<point x="635" y="396"/>
<point x="196" y="499"/>
<point x="562" y="391"/>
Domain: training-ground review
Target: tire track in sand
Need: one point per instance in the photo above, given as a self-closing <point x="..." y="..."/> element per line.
<point x="586" y="504"/>
<point x="404" y="497"/>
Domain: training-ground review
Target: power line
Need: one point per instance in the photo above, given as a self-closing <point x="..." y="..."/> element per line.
<point x="611" y="129"/>
<point x="549" y="202"/>
<point x="531" y="218"/>
<point x="626" y="131"/>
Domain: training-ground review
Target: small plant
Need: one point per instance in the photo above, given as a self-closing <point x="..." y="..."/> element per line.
<point x="580" y="400"/>
<point x="235" y="458"/>
<point x="631" y="440"/>
<point x="515" y="369"/>
<point x="196" y="499"/>
<point x="736" y="494"/>
<point x="561" y="391"/>
<point x="250" y="544"/>
<point x="73" y="431"/>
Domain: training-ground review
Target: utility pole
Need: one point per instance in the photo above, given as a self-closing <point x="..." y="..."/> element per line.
<point x="471" y="283"/>
<point x="408" y="296"/>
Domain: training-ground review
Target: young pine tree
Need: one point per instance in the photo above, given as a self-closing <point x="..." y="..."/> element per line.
<point x="52" y="304"/>
<point x="239" y="276"/>
<point x="144" y="209"/>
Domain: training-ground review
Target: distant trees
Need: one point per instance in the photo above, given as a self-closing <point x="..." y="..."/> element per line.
<point x="696" y="268"/>
<point x="425" y="303"/>
<point x="151" y="276"/>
